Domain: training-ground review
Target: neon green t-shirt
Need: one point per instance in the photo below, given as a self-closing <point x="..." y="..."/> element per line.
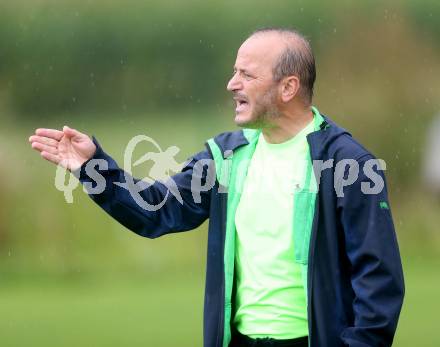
<point x="271" y="298"/>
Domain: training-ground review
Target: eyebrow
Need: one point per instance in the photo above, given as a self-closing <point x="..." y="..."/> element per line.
<point x="242" y="70"/>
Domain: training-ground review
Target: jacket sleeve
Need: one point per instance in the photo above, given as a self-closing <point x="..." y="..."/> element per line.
<point x="372" y="249"/>
<point x="158" y="208"/>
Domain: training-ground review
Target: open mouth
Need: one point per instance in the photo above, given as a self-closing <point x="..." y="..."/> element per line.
<point x="241" y="103"/>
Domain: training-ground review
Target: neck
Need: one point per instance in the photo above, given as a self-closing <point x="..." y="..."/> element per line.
<point x="287" y="125"/>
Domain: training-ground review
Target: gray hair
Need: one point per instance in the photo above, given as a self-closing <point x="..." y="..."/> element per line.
<point x="297" y="59"/>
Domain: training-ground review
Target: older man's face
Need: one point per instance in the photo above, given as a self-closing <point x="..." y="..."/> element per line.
<point x="255" y="93"/>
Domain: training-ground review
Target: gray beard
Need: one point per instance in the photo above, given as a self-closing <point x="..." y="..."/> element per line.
<point x="265" y="111"/>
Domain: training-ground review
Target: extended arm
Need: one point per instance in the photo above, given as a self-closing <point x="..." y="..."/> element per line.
<point x="156" y="210"/>
<point x="124" y="202"/>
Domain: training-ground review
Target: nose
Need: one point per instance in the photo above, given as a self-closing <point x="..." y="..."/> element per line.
<point x="234" y="83"/>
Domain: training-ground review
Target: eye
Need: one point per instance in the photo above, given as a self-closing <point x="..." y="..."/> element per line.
<point x="246" y="75"/>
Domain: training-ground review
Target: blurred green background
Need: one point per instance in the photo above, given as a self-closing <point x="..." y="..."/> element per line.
<point x="70" y="275"/>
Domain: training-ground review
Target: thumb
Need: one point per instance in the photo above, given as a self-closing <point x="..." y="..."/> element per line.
<point x="69" y="132"/>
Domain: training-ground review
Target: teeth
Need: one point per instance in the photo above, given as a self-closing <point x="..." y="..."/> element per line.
<point x="241" y="104"/>
<point x="240" y="100"/>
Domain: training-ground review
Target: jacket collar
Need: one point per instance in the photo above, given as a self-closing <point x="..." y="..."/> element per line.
<point x="318" y="140"/>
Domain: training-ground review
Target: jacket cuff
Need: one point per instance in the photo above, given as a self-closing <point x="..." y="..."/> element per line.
<point x="80" y="173"/>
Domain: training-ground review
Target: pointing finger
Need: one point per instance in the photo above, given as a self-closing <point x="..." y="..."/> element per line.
<point x="44" y="140"/>
<point x="51" y="133"/>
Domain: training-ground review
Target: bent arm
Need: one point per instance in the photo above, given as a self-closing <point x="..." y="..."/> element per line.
<point x="118" y="202"/>
<point x="377" y="277"/>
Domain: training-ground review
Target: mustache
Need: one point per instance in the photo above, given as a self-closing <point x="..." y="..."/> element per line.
<point x="241" y="96"/>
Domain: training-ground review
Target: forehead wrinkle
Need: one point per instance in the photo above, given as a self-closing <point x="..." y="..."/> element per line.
<point x="252" y="61"/>
<point x="245" y="62"/>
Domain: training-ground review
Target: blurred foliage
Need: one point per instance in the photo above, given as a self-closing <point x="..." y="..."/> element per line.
<point x="377" y="63"/>
<point x="72" y="55"/>
<point x="59" y="56"/>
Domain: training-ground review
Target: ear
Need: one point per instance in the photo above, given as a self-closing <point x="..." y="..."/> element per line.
<point x="289" y="88"/>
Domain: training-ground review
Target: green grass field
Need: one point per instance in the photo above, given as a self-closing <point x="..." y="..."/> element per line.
<point x="161" y="310"/>
<point x="165" y="311"/>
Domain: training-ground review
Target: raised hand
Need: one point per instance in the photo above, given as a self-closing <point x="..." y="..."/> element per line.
<point x="68" y="148"/>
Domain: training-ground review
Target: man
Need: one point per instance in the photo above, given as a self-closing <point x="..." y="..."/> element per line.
<point x="301" y="244"/>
